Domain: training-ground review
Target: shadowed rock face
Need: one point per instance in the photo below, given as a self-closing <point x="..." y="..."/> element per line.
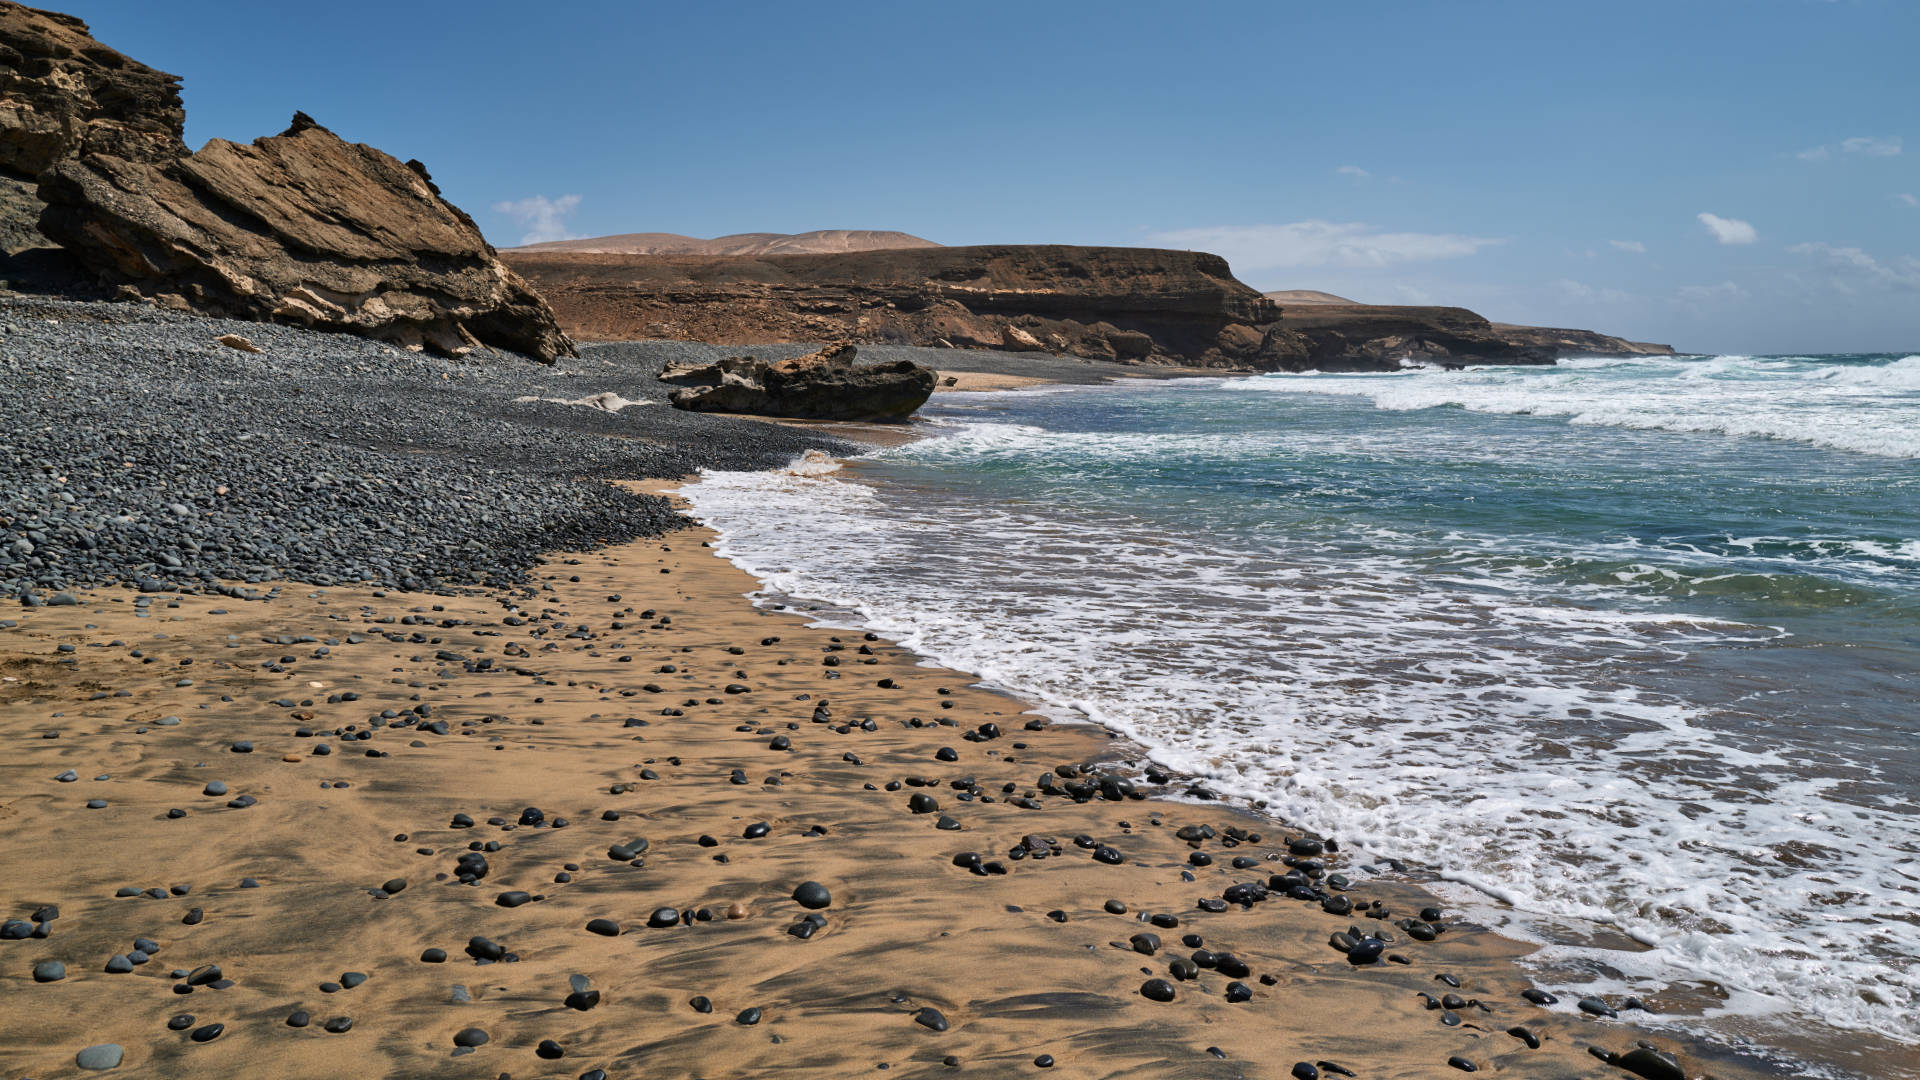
<point x="63" y="94"/>
<point x="825" y="385"/>
<point x="304" y="228"/>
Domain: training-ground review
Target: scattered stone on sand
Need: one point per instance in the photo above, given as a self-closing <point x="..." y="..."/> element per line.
<point x="100" y="1057"/>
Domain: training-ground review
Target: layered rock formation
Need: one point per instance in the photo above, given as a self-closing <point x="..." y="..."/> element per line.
<point x="299" y="228"/>
<point x="1135" y="304"/>
<point x="1333" y="333"/>
<point x="825" y="385"/>
<point x="63" y="94"/>
<point x="305" y="228"/>
<point x="1579" y="342"/>
<point x="1367" y="337"/>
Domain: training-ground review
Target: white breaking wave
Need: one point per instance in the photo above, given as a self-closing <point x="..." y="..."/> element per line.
<point x="1861" y="408"/>
<point x="1476" y="727"/>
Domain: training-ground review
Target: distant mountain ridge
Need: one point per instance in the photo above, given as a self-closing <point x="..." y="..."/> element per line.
<point x="817" y="242"/>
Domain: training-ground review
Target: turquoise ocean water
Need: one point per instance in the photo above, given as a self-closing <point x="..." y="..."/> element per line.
<point x="1625" y="651"/>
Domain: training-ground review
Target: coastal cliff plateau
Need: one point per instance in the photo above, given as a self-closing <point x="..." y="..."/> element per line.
<point x="1134" y="305"/>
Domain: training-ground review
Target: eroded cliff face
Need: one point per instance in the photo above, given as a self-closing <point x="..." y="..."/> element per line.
<point x="1134" y="304"/>
<point x="63" y="94"/>
<point x="1137" y="305"/>
<point x="302" y="227"/>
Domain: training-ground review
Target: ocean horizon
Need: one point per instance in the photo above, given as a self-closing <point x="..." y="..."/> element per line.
<point x="1620" y="655"/>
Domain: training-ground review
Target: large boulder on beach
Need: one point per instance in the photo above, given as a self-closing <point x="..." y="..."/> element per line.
<point x="302" y="227"/>
<point x="824" y="385"/>
<point x="63" y="94"/>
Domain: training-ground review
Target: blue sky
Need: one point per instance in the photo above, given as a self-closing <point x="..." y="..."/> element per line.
<point x="1724" y="176"/>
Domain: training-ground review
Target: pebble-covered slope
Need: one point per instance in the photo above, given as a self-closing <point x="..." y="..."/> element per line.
<point x="135" y="447"/>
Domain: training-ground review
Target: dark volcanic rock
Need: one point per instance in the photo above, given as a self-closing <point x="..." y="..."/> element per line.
<point x="825" y="385"/>
<point x="302" y="227"/>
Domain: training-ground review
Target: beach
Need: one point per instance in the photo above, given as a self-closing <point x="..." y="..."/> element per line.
<point x="352" y="718"/>
<point x="635" y="695"/>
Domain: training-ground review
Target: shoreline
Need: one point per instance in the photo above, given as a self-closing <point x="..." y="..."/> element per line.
<point x="1017" y="964"/>
<point x="1807" y="1048"/>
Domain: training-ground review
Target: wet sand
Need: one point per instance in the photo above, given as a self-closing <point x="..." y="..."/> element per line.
<point x="959" y="381"/>
<point x="636" y="694"/>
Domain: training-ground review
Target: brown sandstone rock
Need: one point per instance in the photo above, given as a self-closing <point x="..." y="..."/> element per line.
<point x="305" y="228"/>
<point x="63" y="94"/>
<point x="824" y="385"/>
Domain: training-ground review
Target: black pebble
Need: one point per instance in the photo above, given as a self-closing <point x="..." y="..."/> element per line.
<point x="470" y="1037"/>
<point x="1157" y="990"/>
<point x="1045" y="1061"/>
<point x="700" y="1005"/>
<point x="604" y="927"/>
<point x="206" y="1034"/>
<point x="180" y="1022"/>
<point x="299" y="1018"/>
<point x="749" y="1016"/>
<point x="339" y="1025"/>
<point x="1304" y="1070"/>
<point x="931" y="1018"/>
<point x="549" y="1050"/>
<point x="812" y="895"/>
<point x="1596" y="1007"/>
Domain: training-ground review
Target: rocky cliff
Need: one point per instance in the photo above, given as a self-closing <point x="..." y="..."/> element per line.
<point x="1132" y="304"/>
<point x="63" y="94"/>
<point x="302" y="228"/>
<point x="1337" y="336"/>
<point x="1135" y="304"/>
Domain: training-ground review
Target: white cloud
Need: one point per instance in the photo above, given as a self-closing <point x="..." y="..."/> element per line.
<point x="543" y="219"/>
<point x="1906" y="200"/>
<point x="1865" y="145"/>
<point x="1873" y="146"/>
<point x="1852" y="266"/>
<point x="1318" y="243"/>
<point x="1354" y="171"/>
<point x="1579" y="290"/>
<point x="1703" y="296"/>
<point x="1729" y="230"/>
<point x="1634" y="246"/>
